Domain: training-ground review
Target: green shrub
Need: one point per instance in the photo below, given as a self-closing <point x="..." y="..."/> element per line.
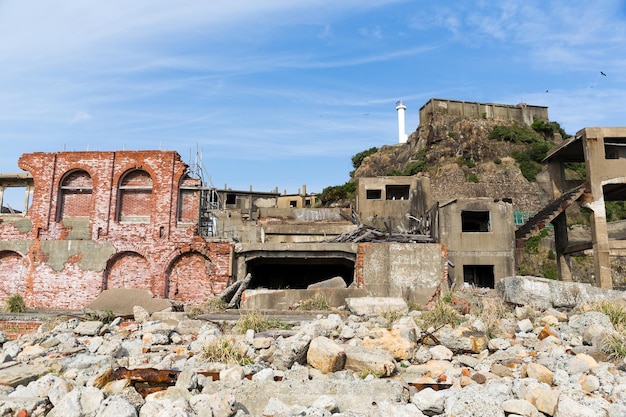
<point x="549" y="271"/>
<point x="357" y="159"/>
<point x="15" y="304"/>
<point x="497" y="161"/>
<point x="473" y="178"/>
<point x="337" y="193"/>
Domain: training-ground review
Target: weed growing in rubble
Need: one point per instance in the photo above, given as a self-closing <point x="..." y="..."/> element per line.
<point x="319" y="302"/>
<point x="442" y="313"/>
<point x="390" y="316"/>
<point x="491" y="313"/>
<point x="257" y="322"/>
<point x="213" y="305"/>
<point x="614" y="311"/>
<point x="365" y="372"/>
<point x="223" y="350"/>
<point x="614" y="344"/>
<point x="15" y="304"/>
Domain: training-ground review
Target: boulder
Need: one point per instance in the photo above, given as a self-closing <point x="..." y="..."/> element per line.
<point x="546" y="293"/>
<point x="373" y="361"/>
<point x="326" y="355"/>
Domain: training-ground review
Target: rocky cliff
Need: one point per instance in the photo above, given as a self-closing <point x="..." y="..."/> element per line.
<point x="461" y="161"/>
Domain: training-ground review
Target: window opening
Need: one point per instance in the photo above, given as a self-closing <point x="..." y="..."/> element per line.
<point x="475" y="221"/>
<point x="397" y="192"/>
<point x="135" y="197"/>
<point x="75" y="195"/>
<point x="374" y="194"/>
<point x="231" y="198"/>
<point x="615" y="148"/>
<point x="479" y="275"/>
<point x="293" y="203"/>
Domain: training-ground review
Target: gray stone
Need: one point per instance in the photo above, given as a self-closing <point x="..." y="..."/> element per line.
<point x="367" y="306"/>
<point x="80" y="402"/>
<point x="35" y="406"/>
<point x="374" y="361"/>
<point x="222" y="403"/>
<point x="201" y="405"/>
<point x="461" y="339"/>
<point x="187" y="379"/>
<point x="524" y="326"/>
<point x="266" y="374"/>
<point x="234" y="373"/>
<point x="429" y="401"/>
<point x="581" y="322"/>
<point x="568" y="407"/>
<point x="473" y="401"/>
<point x="89" y="328"/>
<point x="140" y="314"/>
<point x="325" y="355"/>
<point x="441" y="353"/>
<point x="116" y="406"/>
<point x="291" y="350"/>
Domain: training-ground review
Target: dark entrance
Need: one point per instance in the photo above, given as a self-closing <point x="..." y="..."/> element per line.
<point x="297" y="272"/>
<point x="479" y="275"/>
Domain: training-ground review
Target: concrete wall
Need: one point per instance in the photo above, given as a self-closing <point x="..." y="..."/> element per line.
<point x="380" y="202"/>
<point x="409" y="270"/>
<point x="522" y="112"/>
<point x="494" y="246"/>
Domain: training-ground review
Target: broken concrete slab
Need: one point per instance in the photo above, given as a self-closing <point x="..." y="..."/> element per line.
<point x="546" y="293"/>
<point x="264" y="299"/>
<point x="122" y="300"/>
<point x="21" y="374"/>
<point x="371" y="306"/>
<point x="335" y="282"/>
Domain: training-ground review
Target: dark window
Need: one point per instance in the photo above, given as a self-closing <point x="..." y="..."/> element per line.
<point x="479" y="275"/>
<point x="374" y="194"/>
<point x="614" y="148"/>
<point x="397" y="192"/>
<point x="475" y="221"/>
<point x="293" y="203"/>
<point x="231" y="199"/>
<point x="307" y="202"/>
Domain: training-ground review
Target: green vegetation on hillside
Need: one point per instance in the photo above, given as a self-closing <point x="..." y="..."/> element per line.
<point x="335" y="193"/>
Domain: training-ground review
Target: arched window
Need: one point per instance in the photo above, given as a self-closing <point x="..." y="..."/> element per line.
<point x="75" y="195"/>
<point x="134" y="202"/>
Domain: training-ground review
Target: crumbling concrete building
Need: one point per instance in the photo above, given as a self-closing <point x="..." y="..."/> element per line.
<point x="603" y="151"/>
<point x="139" y="219"/>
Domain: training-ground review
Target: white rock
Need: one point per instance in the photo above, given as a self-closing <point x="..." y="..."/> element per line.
<point x="429" y="401"/>
<point x="116" y="406"/>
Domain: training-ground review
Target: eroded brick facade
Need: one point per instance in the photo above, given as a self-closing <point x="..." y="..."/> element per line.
<point x="101" y="220"/>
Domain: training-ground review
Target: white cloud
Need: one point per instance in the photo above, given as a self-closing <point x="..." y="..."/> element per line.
<point x="79" y="117"/>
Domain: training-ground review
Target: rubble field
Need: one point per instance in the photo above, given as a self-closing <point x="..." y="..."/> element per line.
<point x="475" y="352"/>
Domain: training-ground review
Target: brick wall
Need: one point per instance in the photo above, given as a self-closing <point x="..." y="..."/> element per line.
<point x="14" y="328"/>
<point x="157" y="252"/>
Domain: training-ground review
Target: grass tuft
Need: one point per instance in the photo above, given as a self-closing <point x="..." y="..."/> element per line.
<point x="222" y="350"/>
<point x="614" y="344"/>
<point x="318" y="302"/>
<point x="257" y="322"/>
<point x="615" y="312"/>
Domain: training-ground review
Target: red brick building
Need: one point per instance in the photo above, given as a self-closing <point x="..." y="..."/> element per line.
<point x="103" y="220"/>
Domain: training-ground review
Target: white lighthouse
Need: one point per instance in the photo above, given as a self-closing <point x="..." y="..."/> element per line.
<point x="402" y="136"/>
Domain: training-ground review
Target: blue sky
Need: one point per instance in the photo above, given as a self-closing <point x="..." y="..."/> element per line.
<point x="280" y="93"/>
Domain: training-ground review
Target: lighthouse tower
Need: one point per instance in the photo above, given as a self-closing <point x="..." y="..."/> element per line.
<point x="402" y="136"/>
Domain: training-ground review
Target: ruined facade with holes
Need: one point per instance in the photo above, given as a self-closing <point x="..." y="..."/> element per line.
<point x="102" y="220"/>
<point x="603" y="152"/>
<point x="92" y="221"/>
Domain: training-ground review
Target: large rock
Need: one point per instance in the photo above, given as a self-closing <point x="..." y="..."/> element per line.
<point x="393" y="341"/>
<point x="545" y="293"/>
<point x="326" y="355"/>
<point x="461" y="339"/>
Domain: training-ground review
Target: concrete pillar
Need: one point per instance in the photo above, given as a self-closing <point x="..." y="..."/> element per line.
<point x="560" y="242"/>
<point x="600" y="242"/>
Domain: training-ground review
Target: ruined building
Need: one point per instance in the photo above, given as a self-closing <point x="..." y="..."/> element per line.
<point x="139" y="219"/>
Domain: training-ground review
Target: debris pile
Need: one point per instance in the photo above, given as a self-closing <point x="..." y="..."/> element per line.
<point x="373" y="358"/>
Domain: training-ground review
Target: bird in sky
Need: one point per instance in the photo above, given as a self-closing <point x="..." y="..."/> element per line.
<point x="602" y="73"/>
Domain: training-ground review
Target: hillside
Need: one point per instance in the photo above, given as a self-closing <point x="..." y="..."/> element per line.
<point x="464" y="158"/>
